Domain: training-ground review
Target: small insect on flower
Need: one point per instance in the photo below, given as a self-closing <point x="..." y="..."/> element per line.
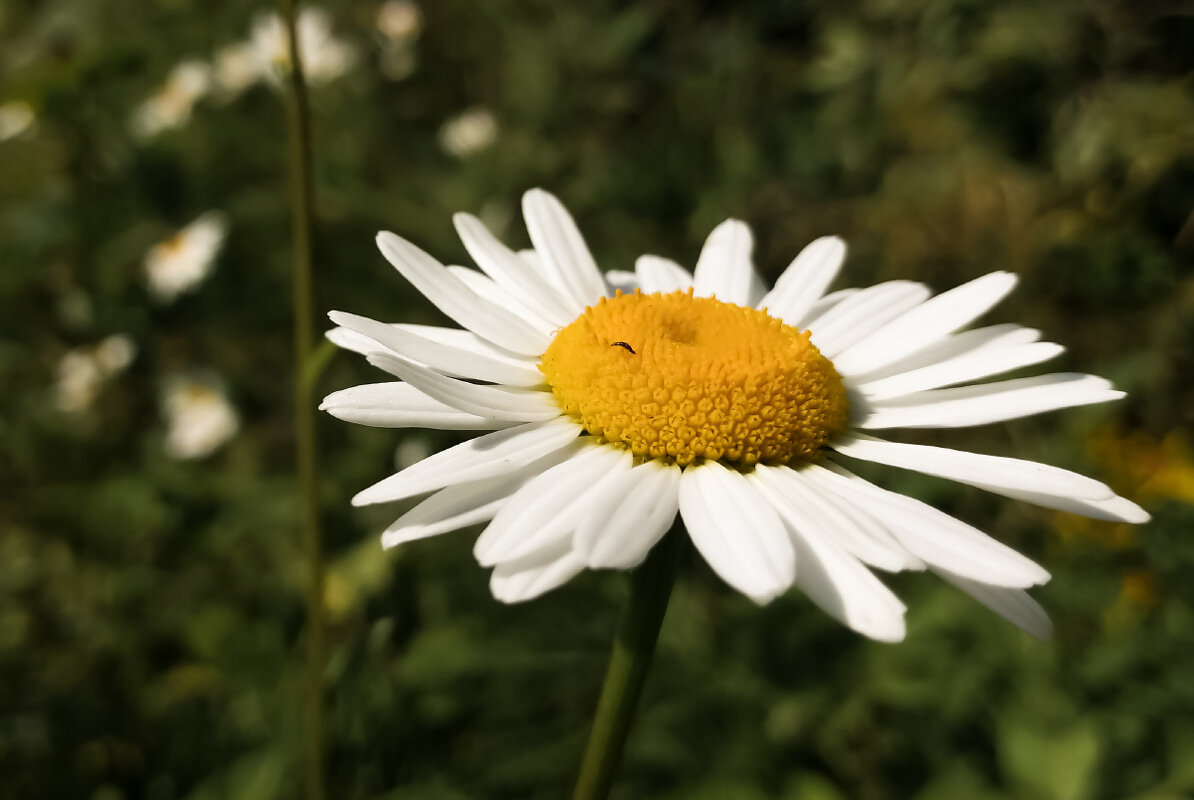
<point x="623" y="344"/>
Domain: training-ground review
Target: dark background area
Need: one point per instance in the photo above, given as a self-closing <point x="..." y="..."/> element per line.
<point x="151" y="609"/>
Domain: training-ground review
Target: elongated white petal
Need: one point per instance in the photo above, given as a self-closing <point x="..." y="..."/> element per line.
<point x="451" y="296"/>
<point x="740" y="536"/>
<point x="832" y="578"/>
<point x="968" y="367"/>
<point x="519" y="581"/>
<point x="864" y="313"/>
<point x="964" y="406"/>
<point x="484" y="286"/>
<point x="462" y="505"/>
<point x="925" y="324"/>
<point x="563" y="250"/>
<point x="449" y="509"/>
<point x="472" y="363"/>
<point x="805" y="280"/>
<point x="499" y="402"/>
<point x="989" y="337"/>
<point x="656" y="274"/>
<point x="1113" y="509"/>
<point x="825" y="305"/>
<point x="485" y="456"/>
<point x="942" y="541"/>
<point x="395" y="404"/>
<point x="1014" y="605"/>
<point x="549" y="507"/>
<point x="724" y="269"/>
<point x="993" y="473"/>
<point x="513" y="272"/>
<point x="351" y="340"/>
<point x="628" y="516"/>
<point x="854" y="531"/>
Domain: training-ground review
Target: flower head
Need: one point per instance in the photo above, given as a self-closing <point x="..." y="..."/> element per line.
<point x="183" y="261"/>
<point x="171" y="105"/>
<point x="83" y="371"/>
<point x="199" y="418"/>
<point x="620" y="400"/>
<point x="469" y="132"/>
<point x="325" y="57"/>
<point x="16" y="117"/>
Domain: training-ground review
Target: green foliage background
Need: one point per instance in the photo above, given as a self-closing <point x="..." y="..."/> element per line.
<point x="151" y="613"/>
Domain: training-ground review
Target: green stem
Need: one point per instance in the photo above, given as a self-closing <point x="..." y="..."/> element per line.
<point x="638" y="630"/>
<point x="298" y="124"/>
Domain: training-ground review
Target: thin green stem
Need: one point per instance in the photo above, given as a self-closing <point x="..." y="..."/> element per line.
<point x="298" y="125"/>
<point x="634" y="646"/>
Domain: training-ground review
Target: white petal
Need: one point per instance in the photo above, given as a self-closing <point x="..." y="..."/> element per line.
<point x="925" y="324"/>
<point x="739" y="535"/>
<point x="513" y="272"/>
<point x="992" y="473"/>
<point x="452" y="297"/>
<point x="724" y="268"/>
<point x="825" y="305"/>
<point x="833" y="579"/>
<point x="985" y="403"/>
<point x="351" y="340"/>
<point x="989" y="337"/>
<point x="805" y="280"/>
<point x="472" y="363"/>
<point x="981" y="363"/>
<point x="399" y="405"/>
<point x="1014" y="605"/>
<point x="499" y="402"/>
<point x="559" y="243"/>
<point x="942" y="541"/>
<point x="1113" y="509"/>
<point x="464" y="504"/>
<point x="853" y="530"/>
<point x="519" y="581"/>
<point x="661" y="275"/>
<point x="548" y="508"/>
<point x="456" y="338"/>
<point x="485" y="286"/>
<point x="864" y="313"/>
<point x="485" y="456"/>
<point x="621" y="280"/>
<point x="628" y="516"/>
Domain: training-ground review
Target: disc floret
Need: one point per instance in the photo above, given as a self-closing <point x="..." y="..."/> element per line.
<point x="683" y="377"/>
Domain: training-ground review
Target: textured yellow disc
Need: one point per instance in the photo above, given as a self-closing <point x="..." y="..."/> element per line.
<point x="692" y="377"/>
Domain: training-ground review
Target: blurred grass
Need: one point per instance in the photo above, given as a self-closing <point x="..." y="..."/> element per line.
<point x="151" y="610"/>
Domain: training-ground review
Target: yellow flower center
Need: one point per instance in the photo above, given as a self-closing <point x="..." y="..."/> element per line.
<point x="692" y="377"/>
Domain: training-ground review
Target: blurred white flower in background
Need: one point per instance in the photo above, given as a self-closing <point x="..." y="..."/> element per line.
<point x="181" y="262"/>
<point x="469" y="132"/>
<point x="171" y="105"/>
<point x="325" y="58"/>
<point x="400" y="20"/>
<point x="16" y="117"/>
<point x="199" y="417"/>
<point x="84" y="370"/>
<point x="236" y="68"/>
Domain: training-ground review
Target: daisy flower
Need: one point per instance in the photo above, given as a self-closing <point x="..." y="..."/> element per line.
<point x="16" y="117"/>
<point x="171" y="105"/>
<point x="617" y="401"/>
<point x="180" y="263"/>
<point x="325" y="57"/>
<point x="469" y="132"/>
<point x="199" y="418"/>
